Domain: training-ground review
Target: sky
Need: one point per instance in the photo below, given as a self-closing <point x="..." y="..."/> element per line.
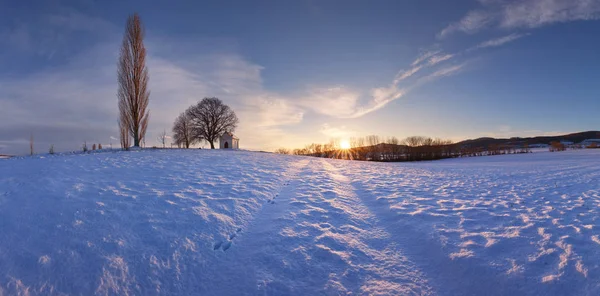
<point x="303" y="71"/>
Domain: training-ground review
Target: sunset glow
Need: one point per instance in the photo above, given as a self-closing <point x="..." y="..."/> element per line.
<point x="344" y="144"/>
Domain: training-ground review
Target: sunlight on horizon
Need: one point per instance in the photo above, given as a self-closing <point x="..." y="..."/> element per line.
<point x="344" y="144"/>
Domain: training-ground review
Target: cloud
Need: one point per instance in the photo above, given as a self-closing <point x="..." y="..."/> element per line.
<point x="443" y="72"/>
<point x="423" y="61"/>
<point x="53" y="32"/>
<point x="336" y="132"/>
<point x="424" y="56"/>
<point x="471" y="23"/>
<point x="402" y="75"/>
<point x="177" y="83"/>
<point x="507" y="131"/>
<point x="341" y="102"/>
<point x="500" y="41"/>
<point x="513" y="14"/>
<point x="336" y="101"/>
<point x="537" y="13"/>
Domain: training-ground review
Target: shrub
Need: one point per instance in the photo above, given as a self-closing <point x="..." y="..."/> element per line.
<point x="51" y="150"/>
<point x="93" y="147"/>
<point x="282" y="151"/>
<point x="85" y="147"/>
<point x="99" y="146"/>
<point x="557" y="146"/>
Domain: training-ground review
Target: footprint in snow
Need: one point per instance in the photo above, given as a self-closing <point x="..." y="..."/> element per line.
<point x="217" y="245"/>
<point x="227" y="245"/>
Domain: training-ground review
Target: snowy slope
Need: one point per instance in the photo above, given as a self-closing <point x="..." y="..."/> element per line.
<point x="200" y="222"/>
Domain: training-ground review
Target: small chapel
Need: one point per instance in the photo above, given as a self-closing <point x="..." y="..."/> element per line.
<point x="229" y="141"/>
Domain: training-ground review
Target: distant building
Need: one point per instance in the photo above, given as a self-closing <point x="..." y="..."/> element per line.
<point x="229" y="141"/>
<point x="539" y="146"/>
<point x="566" y="143"/>
<point x="590" y="142"/>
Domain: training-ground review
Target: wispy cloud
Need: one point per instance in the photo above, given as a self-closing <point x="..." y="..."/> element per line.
<point x="537" y="13"/>
<point x="500" y="41"/>
<point x="336" y="132"/>
<point x="336" y="101"/>
<point x="424" y="56"/>
<point x="425" y="60"/>
<point x="509" y="14"/>
<point x="341" y="102"/>
<point x="446" y="71"/>
<point x="473" y="22"/>
<point x="439" y="58"/>
<point x="404" y="74"/>
<point x="507" y="131"/>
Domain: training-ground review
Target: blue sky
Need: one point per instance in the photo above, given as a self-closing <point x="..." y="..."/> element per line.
<point x="305" y="71"/>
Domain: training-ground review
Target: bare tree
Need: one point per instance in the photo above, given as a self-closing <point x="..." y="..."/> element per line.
<point x="183" y="134"/>
<point x="31" y="144"/>
<point x="124" y="133"/>
<point x="133" y="81"/>
<point x="162" y="138"/>
<point x="210" y="119"/>
<point x="373" y="147"/>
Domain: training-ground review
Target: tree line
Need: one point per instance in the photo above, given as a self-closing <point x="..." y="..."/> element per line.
<point x="415" y="148"/>
<point x="376" y="148"/>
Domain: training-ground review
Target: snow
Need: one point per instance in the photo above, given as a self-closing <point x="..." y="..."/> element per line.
<point x="202" y="222"/>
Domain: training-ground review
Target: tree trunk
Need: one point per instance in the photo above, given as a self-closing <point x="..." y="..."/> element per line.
<point x="212" y="145"/>
<point x="136" y="140"/>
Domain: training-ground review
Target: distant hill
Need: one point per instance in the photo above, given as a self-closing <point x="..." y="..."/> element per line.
<point x="486" y="141"/>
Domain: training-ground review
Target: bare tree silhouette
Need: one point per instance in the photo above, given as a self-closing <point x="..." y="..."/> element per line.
<point x="31" y="145"/>
<point x="162" y="138"/>
<point x="133" y="81"/>
<point x="183" y="133"/>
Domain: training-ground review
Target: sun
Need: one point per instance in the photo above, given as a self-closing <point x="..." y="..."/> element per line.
<point x="344" y="144"/>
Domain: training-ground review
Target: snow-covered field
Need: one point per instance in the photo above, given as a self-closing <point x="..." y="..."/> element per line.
<point x="200" y="222"/>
